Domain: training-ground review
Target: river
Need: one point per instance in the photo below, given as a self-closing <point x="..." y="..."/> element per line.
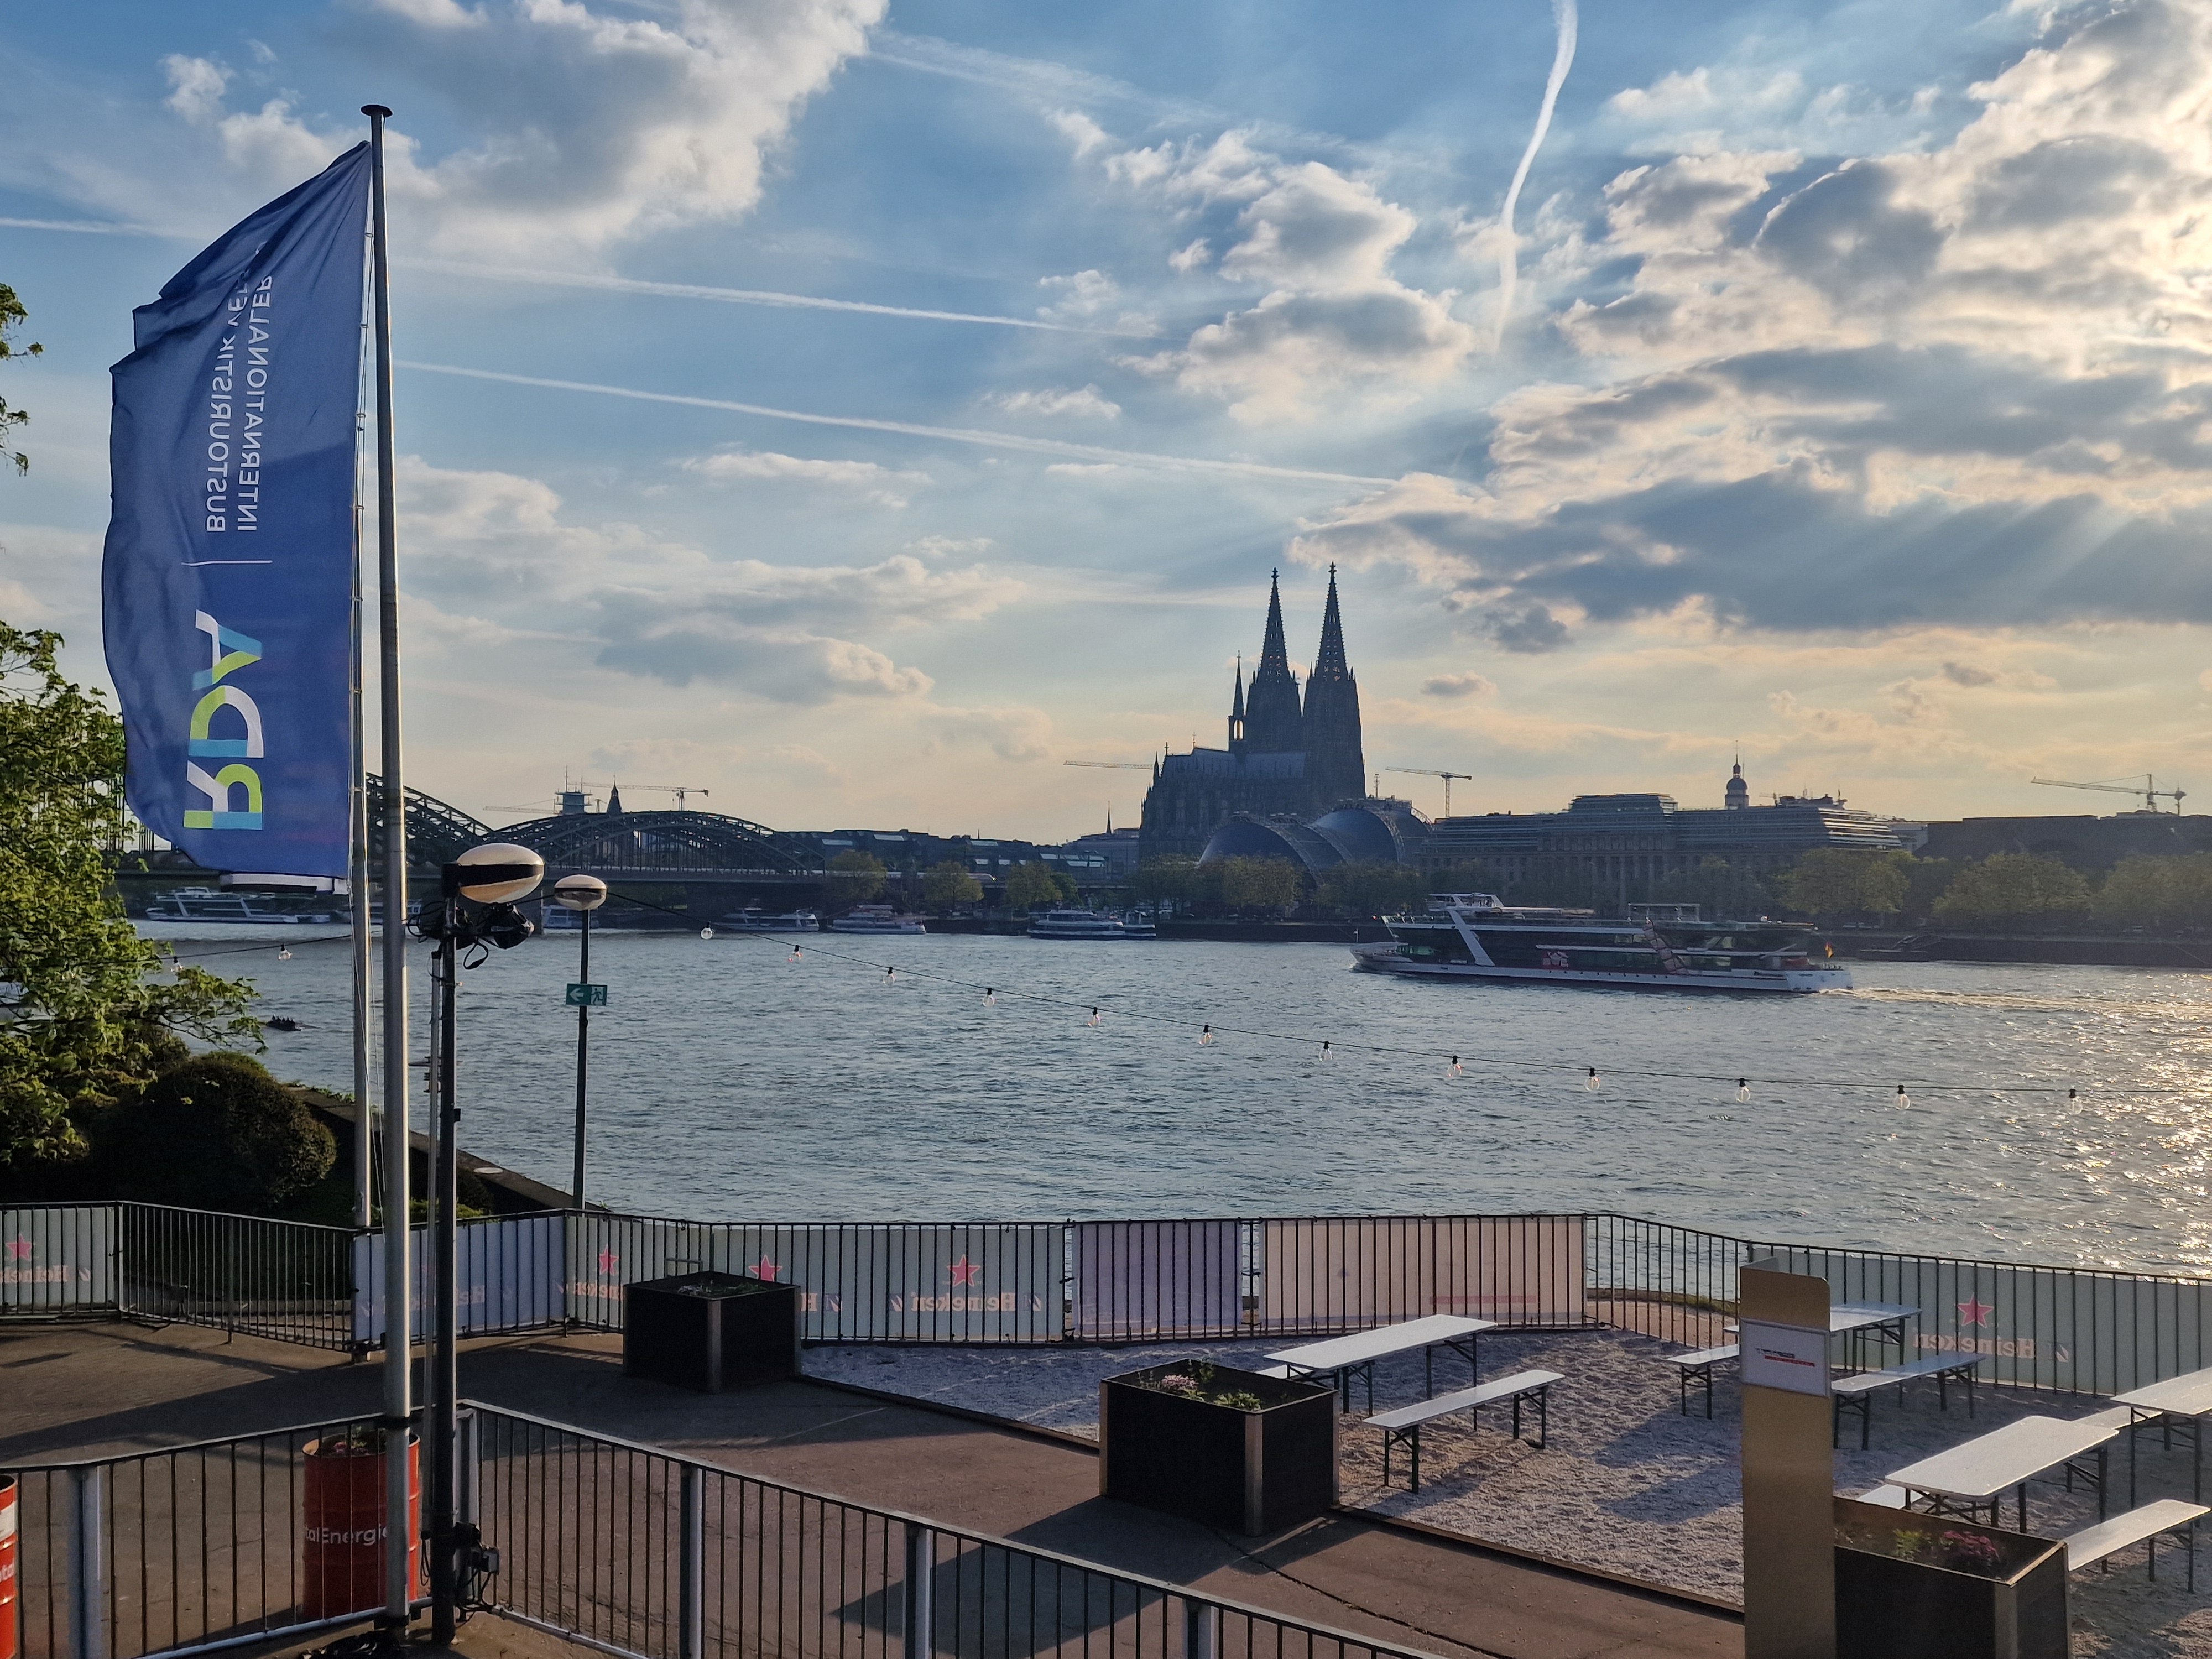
<point x="729" y="1081"/>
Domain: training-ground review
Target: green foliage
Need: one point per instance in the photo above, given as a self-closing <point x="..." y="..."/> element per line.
<point x="216" y="1133"/>
<point x="1829" y="881"/>
<point x="1164" y="881"/>
<point x="1376" y="890"/>
<point x="950" y="884"/>
<point x="2014" y="890"/>
<point x="12" y="316"/>
<point x="855" y="876"/>
<point x="1926" y="881"/>
<point x="2158" y="892"/>
<point x="1274" y="884"/>
<point x="1026" y="886"/>
<point x="88" y="1011"/>
<point x="1721" y="891"/>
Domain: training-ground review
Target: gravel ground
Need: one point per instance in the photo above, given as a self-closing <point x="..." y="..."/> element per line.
<point x="1628" y="1484"/>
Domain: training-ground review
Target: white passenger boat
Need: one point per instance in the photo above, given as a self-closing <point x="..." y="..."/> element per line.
<point x="206" y="904"/>
<point x="1663" y="947"/>
<point x="876" y="918"/>
<point x="754" y="920"/>
<point x="1078" y="924"/>
<point x="1138" y="924"/>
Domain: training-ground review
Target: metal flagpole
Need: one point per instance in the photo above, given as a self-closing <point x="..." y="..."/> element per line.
<point x="364" y="1162"/>
<point x="583" y="1060"/>
<point x="399" y="1284"/>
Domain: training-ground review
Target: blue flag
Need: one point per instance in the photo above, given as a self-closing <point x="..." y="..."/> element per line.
<point x="226" y="587"/>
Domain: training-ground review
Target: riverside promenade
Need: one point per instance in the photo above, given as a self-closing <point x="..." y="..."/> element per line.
<point x="80" y="1390"/>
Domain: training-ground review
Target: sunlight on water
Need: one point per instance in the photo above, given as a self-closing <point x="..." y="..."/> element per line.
<point x="730" y="1082"/>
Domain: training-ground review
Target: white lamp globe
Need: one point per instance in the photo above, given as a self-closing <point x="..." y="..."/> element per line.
<point x="580" y="892"/>
<point x="502" y="853"/>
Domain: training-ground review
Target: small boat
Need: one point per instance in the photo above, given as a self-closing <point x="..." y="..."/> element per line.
<point x="1077" y="924"/>
<point x="1478" y="936"/>
<point x="1138" y="924"/>
<point x="753" y="920"/>
<point x="206" y="904"/>
<point x="876" y="918"/>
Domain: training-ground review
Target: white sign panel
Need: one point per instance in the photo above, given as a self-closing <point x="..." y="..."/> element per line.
<point x="1794" y="1358"/>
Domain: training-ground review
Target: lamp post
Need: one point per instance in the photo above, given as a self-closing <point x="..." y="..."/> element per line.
<point x="583" y="895"/>
<point x="494" y="876"/>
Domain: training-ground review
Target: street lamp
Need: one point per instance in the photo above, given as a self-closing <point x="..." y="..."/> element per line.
<point x="493" y="876"/>
<point x="583" y="895"/>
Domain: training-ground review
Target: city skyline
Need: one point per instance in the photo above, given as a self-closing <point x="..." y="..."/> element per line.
<point x="860" y="412"/>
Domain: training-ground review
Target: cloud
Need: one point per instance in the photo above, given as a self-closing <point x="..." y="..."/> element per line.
<point x="1011" y="734"/>
<point x="1458" y="685"/>
<point x="1081" y="470"/>
<point x="1967" y="673"/>
<point x="1086" y="403"/>
<point x="880" y="484"/>
<point x="1091" y="299"/>
<point x="1079" y="129"/>
<point x="797" y="760"/>
<point x="663" y="121"/>
<point x="685" y="758"/>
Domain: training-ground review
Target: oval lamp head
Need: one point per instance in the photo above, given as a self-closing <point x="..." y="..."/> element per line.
<point x="580" y="892"/>
<point x="503" y="853"/>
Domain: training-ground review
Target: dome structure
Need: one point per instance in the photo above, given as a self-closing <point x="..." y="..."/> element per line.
<point x="1739" y="792"/>
<point x="1368" y="831"/>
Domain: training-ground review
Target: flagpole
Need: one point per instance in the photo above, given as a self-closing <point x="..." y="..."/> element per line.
<point x="398" y="1280"/>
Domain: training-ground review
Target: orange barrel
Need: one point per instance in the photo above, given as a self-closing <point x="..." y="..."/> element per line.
<point x="7" y="1639"/>
<point x="341" y="1554"/>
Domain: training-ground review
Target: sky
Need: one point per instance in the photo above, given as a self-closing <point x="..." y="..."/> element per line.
<point x="860" y="408"/>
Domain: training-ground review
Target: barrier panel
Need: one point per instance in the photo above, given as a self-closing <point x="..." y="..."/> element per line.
<point x="288" y="1281"/>
<point x="1346" y="1273"/>
<point x="1136" y="1281"/>
<point x="54" y="1258"/>
<point x="512" y="1277"/>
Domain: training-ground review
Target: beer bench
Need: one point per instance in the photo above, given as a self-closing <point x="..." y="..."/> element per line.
<point x="1698" y="1369"/>
<point x="1857" y="1393"/>
<point x="1402" y="1427"/>
<point x="2167" y="1518"/>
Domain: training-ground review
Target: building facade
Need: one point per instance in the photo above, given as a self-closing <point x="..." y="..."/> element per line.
<point x="1287" y="755"/>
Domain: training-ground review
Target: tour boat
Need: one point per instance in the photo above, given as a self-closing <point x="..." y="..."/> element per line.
<point x="876" y="918"/>
<point x="1138" y="924"/>
<point x="1658" y="946"/>
<point x="755" y="920"/>
<point x="206" y="904"/>
<point x="1078" y="924"/>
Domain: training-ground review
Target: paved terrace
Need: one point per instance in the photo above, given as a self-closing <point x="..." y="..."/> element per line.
<point x="89" y="1390"/>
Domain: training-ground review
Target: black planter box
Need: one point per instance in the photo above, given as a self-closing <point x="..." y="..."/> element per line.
<point x="710" y="1331"/>
<point x="1891" y="1608"/>
<point x="1248" y="1472"/>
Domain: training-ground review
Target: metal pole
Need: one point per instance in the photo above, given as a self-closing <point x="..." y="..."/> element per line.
<point x="357" y="846"/>
<point x="445" y="1377"/>
<point x="1202" y="1630"/>
<point x="398" y="1286"/>
<point x="691" y="1566"/>
<point x="583" y="1065"/>
<point x="921" y="1582"/>
<point x="89" y="1566"/>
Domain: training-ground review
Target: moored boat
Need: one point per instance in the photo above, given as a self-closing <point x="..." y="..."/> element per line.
<point x="754" y="920"/>
<point x="876" y="918"/>
<point x="1656" y="947"/>
<point x="1078" y="924"/>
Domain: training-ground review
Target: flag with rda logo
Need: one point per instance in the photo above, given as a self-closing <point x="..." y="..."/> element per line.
<point x="227" y="586"/>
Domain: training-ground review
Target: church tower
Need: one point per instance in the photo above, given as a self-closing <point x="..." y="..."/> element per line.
<point x="1274" y="724"/>
<point x="1237" y="711"/>
<point x="1739" y="792"/>
<point x="1336" y="765"/>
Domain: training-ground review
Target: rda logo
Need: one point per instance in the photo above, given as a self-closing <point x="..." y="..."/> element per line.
<point x="227" y="653"/>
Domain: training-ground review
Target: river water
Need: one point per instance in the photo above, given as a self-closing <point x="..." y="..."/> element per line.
<point x="731" y="1082"/>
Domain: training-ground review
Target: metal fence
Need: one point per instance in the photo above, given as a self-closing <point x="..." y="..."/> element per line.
<point x="2085" y="1330"/>
<point x="643" y="1553"/>
<point x="173" y="1551"/>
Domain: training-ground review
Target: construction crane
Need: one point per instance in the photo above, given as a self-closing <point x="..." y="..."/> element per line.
<point x="1114" y="766"/>
<point x="2151" y="794"/>
<point x="677" y="790"/>
<point x="1430" y="772"/>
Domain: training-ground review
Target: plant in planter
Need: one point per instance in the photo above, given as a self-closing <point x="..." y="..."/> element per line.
<point x="1912" y="1586"/>
<point x="1233" y="1448"/>
<point x="710" y="1330"/>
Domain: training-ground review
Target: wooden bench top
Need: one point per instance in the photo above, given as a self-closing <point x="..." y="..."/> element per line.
<point x="1888" y="1498"/>
<point x="1483" y="1393"/>
<point x="1705" y="1355"/>
<point x="2093" y="1544"/>
<point x="1931" y="1365"/>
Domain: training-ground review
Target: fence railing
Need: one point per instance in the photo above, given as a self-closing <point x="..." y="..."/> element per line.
<point x="641" y="1551"/>
<point x="179" y="1551"/>
<point x="1021" y="1282"/>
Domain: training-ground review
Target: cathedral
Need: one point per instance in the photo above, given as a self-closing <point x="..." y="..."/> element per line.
<point x="1284" y="755"/>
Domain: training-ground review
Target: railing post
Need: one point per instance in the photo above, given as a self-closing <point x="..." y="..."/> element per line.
<point x="1202" y="1630"/>
<point x="468" y="1451"/>
<point x="921" y="1609"/>
<point x="89" y="1566"/>
<point x="691" y="1578"/>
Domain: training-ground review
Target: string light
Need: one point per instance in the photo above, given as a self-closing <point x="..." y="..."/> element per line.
<point x="1093" y="1020"/>
<point x="890" y="974"/>
<point x="1590" y="1082"/>
<point x="1325" y="1054"/>
<point x="1743" y="1092"/>
<point x="705" y="932"/>
<point x="283" y="953"/>
<point x="1457" y="1070"/>
<point x="794" y="955"/>
<point x="1903" y="1098"/>
<point x="1206" y="1037"/>
<point x="990" y="998"/>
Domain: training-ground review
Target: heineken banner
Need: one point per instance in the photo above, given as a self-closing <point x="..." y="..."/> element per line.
<point x="227" y="583"/>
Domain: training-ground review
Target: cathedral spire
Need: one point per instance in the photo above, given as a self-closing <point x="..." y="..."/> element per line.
<point x="1330" y="663"/>
<point x="1336" y="764"/>
<point x="1236" y="710"/>
<point x="1272" y="722"/>
<point x="1274" y="651"/>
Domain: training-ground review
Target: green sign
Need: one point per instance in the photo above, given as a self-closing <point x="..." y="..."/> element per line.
<point x="588" y="996"/>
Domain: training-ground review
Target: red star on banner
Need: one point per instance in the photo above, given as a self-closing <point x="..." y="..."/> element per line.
<point x="609" y="1261"/>
<point x="18" y="1247"/>
<point x="762" y="1268"/>
<point x="1975" y="1311"/>
<point x="965" y="1272"/>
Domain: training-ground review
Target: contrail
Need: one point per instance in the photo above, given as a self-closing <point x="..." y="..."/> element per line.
<point x="959" y="434"/>
<point x="1509" y="274"/>
<point x="739" y="296"/>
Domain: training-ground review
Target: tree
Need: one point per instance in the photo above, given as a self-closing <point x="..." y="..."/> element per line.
<point x="2014" y="890"/>
<point x="1829" y="881"/>
<point x="1028" y="885"/>
<point x="1372" y="890"/>
<point x="1164" y="881"/>
<point x="950" y="884"/>
<point x="88" y="1011"/>
<point x="2158" y="892"/>
<point x="1926" y="881"/>
<point x="855" y="876"/>
<point x="1261" y="883"/>
<point x="215" y="1133"/>
<point x="12" y="316"/>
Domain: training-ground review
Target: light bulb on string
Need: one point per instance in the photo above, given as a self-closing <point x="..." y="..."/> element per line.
<point x="1325" y="1053"/>
<point x="1590" y="1082"/>
<point x="2070" y="1095"/>
<point x="1093" y="1020"/>
<point x="890" y="974"/>
<point x="1457" y="1070"/>
<point x="1903" y="1098"/>
<point x="990" y="997"/>
<point x="794" y="956"/>
<point x="705" y="932"/>
<point x="1206" y="1036"/>
<point x="283" y="953"/>
<point x="1743" y="1092"/>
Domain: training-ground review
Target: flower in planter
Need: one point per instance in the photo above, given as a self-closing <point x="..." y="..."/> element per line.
<point x="1238" y="1400"/>
<point x="1969" y="1552"/>
<point x="1176" y="1383"/>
